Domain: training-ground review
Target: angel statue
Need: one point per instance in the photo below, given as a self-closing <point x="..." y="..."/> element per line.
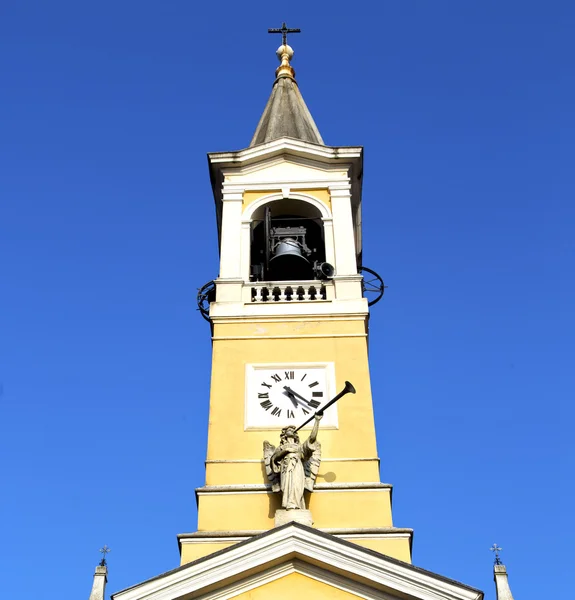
<point x="292" y="467"/>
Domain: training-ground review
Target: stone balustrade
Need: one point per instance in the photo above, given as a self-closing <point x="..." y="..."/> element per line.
<point x="290" y="291"/>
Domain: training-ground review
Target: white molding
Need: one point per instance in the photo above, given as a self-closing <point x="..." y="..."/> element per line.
<point x="230" y="493"/>
<point x="236" y="492"/>
<point x="352" y="562"/>
<point x="303" y="183"/>
<point x="342" y="533"/>
<point x="329" y="309"/>
<point x="260" y="460"/>
<point x="351" y="489"/>
<point x="289" y="146"/>
<point x="205" y="492"/>
<point x="233" y="194"/>
<point x="295" y="318"/>
<point x="372" y="536"/>
<point x="288" y="337"/>
<point x="326" y="487"/>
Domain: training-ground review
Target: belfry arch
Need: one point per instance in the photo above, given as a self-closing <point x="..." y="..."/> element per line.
<point x="285" y="237"/>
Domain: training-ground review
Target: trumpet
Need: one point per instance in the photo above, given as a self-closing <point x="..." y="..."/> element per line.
<point x="348" y="389"/>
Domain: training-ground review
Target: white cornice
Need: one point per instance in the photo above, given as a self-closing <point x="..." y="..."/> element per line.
<point x="323" y="487"/>
<point x="329" y="168"/>
<point x="286" y="145"/>
<point x="279" y="547"/>
<point x="342" y="532"/>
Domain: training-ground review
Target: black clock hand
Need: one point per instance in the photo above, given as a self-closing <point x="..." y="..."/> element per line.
<point x="291" y="397"/>
<point x="296" y="401"/>
<point x="290" y="391"/>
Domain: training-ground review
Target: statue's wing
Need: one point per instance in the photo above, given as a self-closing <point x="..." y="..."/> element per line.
<point x="272" y="476"/>
<point x="311" y="467"/>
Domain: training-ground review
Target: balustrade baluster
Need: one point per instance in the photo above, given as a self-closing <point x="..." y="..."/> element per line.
<point x="260" y="292"/>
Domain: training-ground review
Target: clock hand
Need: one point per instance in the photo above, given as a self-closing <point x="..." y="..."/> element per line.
<point x="296" y="401"/>
<point x="291" y="397"/>
<point x="290" y="391"/>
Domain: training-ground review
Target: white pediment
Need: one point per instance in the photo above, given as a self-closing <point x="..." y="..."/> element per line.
<point x="298" y="549"/>
<point x="278" y="170"/>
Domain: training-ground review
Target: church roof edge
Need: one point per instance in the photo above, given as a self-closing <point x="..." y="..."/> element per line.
<point x="321" y="534"/>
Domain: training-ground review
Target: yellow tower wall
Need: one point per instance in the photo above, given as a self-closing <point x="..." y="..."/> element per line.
<point x="348" y="499"/>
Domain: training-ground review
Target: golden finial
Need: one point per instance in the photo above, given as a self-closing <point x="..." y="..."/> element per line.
<point x="284" y="52"/>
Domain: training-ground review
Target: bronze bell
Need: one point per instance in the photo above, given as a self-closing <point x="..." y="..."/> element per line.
<point x="288" y="262"/>
<point x="288" y="247"/>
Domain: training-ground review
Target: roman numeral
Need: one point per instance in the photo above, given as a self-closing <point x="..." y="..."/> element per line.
<point x="266" y="404"/>
<point x="317" y="394"/>
<point x="314" y="403"/>
<point x="276" y="411"/>
<point x="263" y="395"/>
<point x="276" y="378"/>
<point x="289" y="374"/>
<point x="304" y="376"/>
<point x="314" y="384"/>
<point x="304" y="411"/>
<point x="266" y="384"/>
<point x="290" y="414"/>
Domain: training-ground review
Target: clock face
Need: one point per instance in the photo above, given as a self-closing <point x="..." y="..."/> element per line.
<point x="288" y="394"/>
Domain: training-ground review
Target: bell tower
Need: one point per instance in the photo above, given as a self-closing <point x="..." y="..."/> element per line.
<point x="292" y="505"/>
<point x="289" y="322"/>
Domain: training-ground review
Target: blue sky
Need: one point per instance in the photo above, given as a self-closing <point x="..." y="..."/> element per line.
<point x="107" y="227"/>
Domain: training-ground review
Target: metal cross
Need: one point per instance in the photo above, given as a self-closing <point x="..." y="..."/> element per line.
<point x="104" y="550"/>
<point x="495" y="548"/>
<point x="284" y="31"/>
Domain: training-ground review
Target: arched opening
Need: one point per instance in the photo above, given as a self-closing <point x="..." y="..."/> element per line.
<point x="287" y="241"/>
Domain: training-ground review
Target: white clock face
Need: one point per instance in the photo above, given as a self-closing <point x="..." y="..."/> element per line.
<point x="288" y="394"/>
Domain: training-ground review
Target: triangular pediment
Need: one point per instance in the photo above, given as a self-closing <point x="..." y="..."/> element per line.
<point x="287" y="168"/>
<point x="298" y="556"/>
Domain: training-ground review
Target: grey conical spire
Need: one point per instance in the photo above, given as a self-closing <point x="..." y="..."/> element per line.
<point x="286" y="114"/>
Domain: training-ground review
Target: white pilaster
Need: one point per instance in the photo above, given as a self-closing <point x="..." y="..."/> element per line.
<point x="345" y="260"/>
<point x="230" y="257"/>
<point x="329" y="241"/>
<point x="245" y="250"/>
